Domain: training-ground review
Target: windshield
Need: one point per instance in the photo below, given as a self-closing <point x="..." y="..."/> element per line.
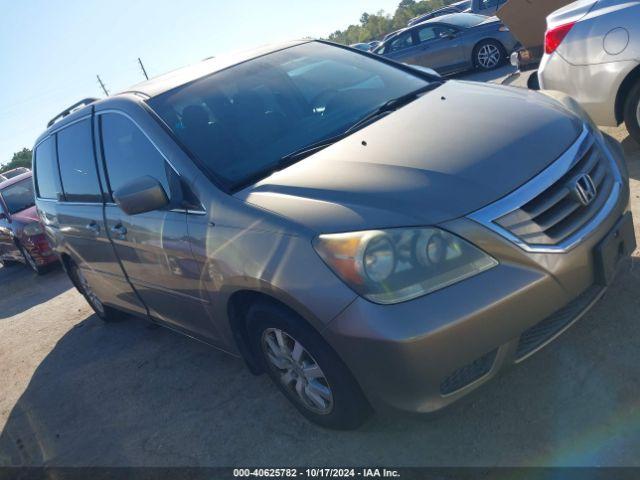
<point x="19" y="196"/>
<point x="240" y="122"/>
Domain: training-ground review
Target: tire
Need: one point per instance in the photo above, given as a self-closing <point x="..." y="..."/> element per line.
<point x="632" y="112"/>
<point x="30" y="261"/>
<point x="533" y="83"/>
<point x="105" y="313"/>
<point x="329" y="395"/>
<point x="488" y="54"/>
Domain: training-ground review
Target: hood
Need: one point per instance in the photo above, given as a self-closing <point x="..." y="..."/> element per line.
<point x="25" y="216"/>
<point x="454" y="150"/>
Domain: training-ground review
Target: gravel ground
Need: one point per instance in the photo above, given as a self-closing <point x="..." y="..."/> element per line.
<point x="75" y="392"/>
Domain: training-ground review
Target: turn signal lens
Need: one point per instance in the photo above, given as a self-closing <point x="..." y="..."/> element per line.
<point x="555" y="36"/>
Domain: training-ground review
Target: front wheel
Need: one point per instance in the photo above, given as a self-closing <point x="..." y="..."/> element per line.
<point x="488" y="55"/>
<point x="306" y="369"/>
<point x="632" y="112"/>
<point x="104" y="312"/>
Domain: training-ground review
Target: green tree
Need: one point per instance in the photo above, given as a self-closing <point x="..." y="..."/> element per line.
<point x="19" y="159"/>
<point x="374" y="26"/>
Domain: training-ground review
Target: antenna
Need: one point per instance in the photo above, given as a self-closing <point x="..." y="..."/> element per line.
<point x="143" y="70"/>
<point x="104" y="89"/>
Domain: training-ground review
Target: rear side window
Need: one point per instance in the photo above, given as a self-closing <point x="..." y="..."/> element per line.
<point x="427" y="33"/>
<point x="128" y="153"/>
<point x="47" y="179"/>
<point x="400" y="43"/>
<point x="77" y="164"/>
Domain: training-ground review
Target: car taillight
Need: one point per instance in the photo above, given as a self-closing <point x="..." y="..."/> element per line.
<point x="555" y="36"/>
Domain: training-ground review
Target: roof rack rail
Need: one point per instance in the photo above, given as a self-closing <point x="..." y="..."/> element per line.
<point x="82" y="103"/>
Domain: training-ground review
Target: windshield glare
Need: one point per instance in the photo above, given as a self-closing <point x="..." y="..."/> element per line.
<point x="19" y="196"/>
<point x="240" y="122"/>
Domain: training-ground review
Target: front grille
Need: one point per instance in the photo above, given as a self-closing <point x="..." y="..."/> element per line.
<point x="536" y="336"/>
<point x="556" y="214"/>
<point x="468" y="374"/>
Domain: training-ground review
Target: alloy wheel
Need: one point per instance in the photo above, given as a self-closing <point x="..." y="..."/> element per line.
<point x="489" y="56"/>
<point x="297" y="370"/>
<point x="92" y="298"/>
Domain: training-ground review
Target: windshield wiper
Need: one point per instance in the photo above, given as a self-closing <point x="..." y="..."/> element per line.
<point x="387" y="107"/>
<point x="392" y="105"/>
<point x="309" y="150"/>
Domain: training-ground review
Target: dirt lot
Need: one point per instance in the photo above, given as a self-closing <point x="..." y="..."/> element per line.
<point x="74" y="391"/>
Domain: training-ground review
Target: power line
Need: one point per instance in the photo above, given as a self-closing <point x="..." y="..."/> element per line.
<point x="104" y="89"/>
<point x="143" y="70"/>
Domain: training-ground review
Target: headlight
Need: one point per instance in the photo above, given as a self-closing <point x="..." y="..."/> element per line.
<point x="399" y="264"/>
<point x="32" y="229"/>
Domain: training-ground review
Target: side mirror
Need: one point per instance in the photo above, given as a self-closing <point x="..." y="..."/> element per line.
<point x="3" y="216"/>
<point x="144" y="194"/>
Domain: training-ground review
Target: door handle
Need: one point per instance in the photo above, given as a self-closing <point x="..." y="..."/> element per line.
<point x="93" y="227"/>
<point x="120" y="231"/>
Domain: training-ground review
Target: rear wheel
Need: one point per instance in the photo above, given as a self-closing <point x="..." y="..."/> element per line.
<point x="305" y="368"/>
<point x="632" y="112"/>
<point x="105" y="313"/>
<point x="488" y="55"/>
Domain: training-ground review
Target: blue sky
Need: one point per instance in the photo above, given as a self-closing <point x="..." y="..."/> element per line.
<point x="51" y="51"/>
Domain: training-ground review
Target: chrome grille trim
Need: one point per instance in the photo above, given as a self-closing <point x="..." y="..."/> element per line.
<point x="488" y="216"/>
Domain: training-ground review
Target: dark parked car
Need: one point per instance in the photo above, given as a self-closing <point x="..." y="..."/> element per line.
<point x="452" y="43"/>
<point x="485" y="7"/>
<point x="458" y="7"/>
<point x="366" y="233"/>
<point x="22" y="237"/>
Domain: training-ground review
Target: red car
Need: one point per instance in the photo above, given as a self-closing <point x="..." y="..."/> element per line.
<point x="22" y="237"/>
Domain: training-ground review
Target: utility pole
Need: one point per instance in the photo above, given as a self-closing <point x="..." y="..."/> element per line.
<point x="143" y="70"/>
<point x="104" y="89"/>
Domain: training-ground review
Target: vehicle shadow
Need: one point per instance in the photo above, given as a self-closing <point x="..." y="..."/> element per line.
<point x="23" y="289"/>
<point x="489" y="76"/>
<point x="128" y="394"/>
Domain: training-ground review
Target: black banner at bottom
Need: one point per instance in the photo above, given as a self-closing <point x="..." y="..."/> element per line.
<point x="223" y="473"/>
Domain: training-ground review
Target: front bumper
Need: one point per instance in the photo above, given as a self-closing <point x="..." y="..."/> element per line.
<point x="424" y="354"/>
<point x="595" y="87"/>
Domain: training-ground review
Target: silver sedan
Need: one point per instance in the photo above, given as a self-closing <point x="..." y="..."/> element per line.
<point x="593" y="54"/>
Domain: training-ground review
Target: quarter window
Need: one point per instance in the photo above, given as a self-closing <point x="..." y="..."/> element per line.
<point x="46" y="170"/>
<point x="77" y="163"/>
<point x="129" y="154"/>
